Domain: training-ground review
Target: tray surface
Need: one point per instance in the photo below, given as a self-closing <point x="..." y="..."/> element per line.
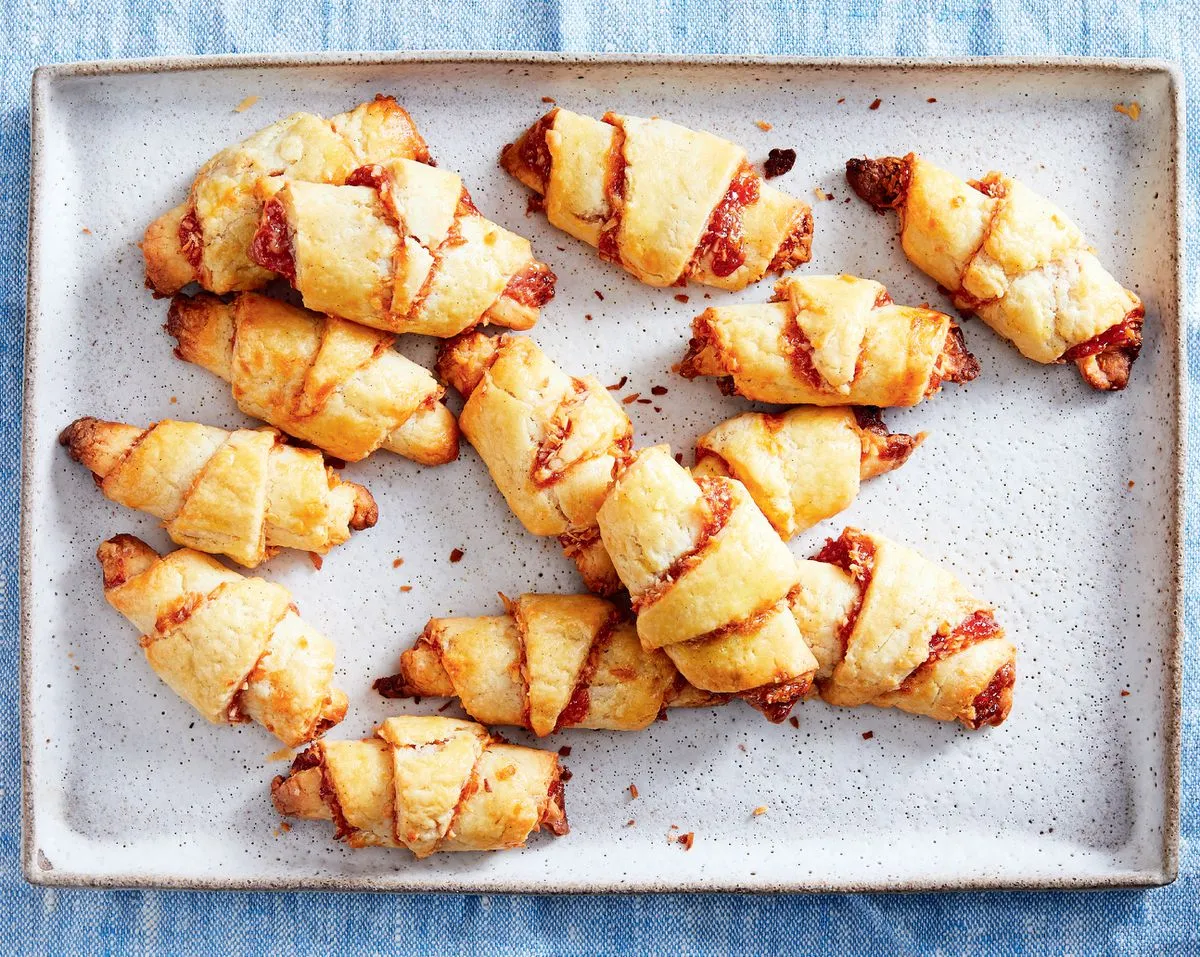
<point x="1057" y="504"/>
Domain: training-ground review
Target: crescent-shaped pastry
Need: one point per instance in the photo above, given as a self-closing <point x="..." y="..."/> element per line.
<point x="549" y="662"/>
<point x="232" y="647"/>
<point x="552" y="442"/>
<point x="803" y="465"/>
<point x="710" y="581"/>
<point x="892" y="629"/>
<point x="400" y="247"/>
<point x="207" y="238"/>
<point x="1012" y="258"/>
<point x="244" y="494"/>
<point x="334" y="384"/>
<point x="829" y="340"/>
<point x="429" y="784"/>
<point x="667" y="203"/>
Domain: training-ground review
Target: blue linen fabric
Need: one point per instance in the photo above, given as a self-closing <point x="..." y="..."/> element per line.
<point x="39" y="920"/>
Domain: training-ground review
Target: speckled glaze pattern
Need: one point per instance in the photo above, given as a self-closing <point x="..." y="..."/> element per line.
<point x="1058" y="504"/>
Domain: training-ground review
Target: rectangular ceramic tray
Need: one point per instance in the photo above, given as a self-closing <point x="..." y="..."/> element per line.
<point x="1059" y="504"/>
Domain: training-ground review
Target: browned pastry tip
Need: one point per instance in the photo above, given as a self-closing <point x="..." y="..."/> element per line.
<point x="366" y="511"/>
<point x="299" y="793"/>
<point x="956" y="363"/>
<point x="463" y="360"/>
<point x="881" y="182"/>
<point x="123" y="557"/>
<point x="882" y="451"/>
<point x="1106" y="361"/>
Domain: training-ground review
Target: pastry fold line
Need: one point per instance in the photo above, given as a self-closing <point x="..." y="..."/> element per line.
<point x="552" y="442"/>
<point x="334" y="384"/>
<point x="428" y="784"/>
<point x="710" y="581"/>
<point x="233" y="647"/>
<point x="828" y="340"/>
<point x="549" y="662"/>
<point x="207" y="238"/>
<point x="803" y="465"/>
<point x="890" y="628"/>
<point x="400" y="247"/>
<point x="666" y="203"/>
<point x="1014" y="259"/>
<point x="244" y="494"/>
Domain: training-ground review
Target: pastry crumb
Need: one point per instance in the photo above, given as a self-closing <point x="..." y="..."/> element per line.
<point x="633" y="791"/>
<point x="842" y="100"/>
<point x="630" y="823"/>
<point x="406" y="588"/>
<point x="588" y="316"/>
<point x="681" y="297"/>
<point x="447" y="705"/>
<point x="875" y="104"/>
<point x="779" y="161"/>
<point x="86" y="231"/>
<point x="868" y="735"/>
<point x="1133" y="110"/>
<point x="616" y="387"/>
<point x="794" y="721"/>
<point x="317" y="560"/>
<point x="549" y="99"/>
<point x="764" y="126"/>
<point x="932" y="99"/>
<point x="284" y="826"/>
<point x="632" y="397"/>
<point x="760" y="810"/>
<point x="245" y="104"/>
<point x="679" y="457"/>
<point x="1131" y="484"/>
<point x="283" y="754"/>
<point x="456" y="555"/>
<point x="687" y="840"/>
<point x="741" y="747"/>
<point x="1124" y="692"/>
<point x="565" y="751"/>
<point x="658" y="390"/>
<point x="565" y="775"/>
<point x="173" y="400"/>
<point x="599" y="294"/>
<point x="397" y="562"/>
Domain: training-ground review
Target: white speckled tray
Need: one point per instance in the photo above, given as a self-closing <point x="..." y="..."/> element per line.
<point x="1059" y="504"/>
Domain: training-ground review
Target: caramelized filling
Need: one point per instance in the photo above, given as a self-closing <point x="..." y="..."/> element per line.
<point x="719" y="507"/>
<point x="798" y="351"/>
<point x="271" y="247"/>
<point x="533" y="286"/>
<point x="1125" y="336"/>
<point x="723" y="239"/>
<point x="608" y="244"/>
<point x="191" y="239"/>
<point x="854" y="554"/>
<point x="991" y="706"/>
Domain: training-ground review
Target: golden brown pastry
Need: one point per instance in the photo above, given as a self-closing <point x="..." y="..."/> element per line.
<point x="400" y="247"/>
<point x="551" y="441"/>
<point x="207" y="238"/>
<point x="428" y="784"/>
<point x="244" y="494"/>
<point x="335" y="384"/>
<point x="1012" y="258"/>
<point x="232" y="647"/>
<point x="803" y="465"/>
<point x="667" y="203"/>
<point x="550" y="662"/>
<point x="892" y="629"/>
<point x="829" y="340"/>
<point x="710" y="581"/>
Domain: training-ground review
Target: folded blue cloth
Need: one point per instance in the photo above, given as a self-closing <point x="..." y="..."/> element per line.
<point x="78" y="922"/>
